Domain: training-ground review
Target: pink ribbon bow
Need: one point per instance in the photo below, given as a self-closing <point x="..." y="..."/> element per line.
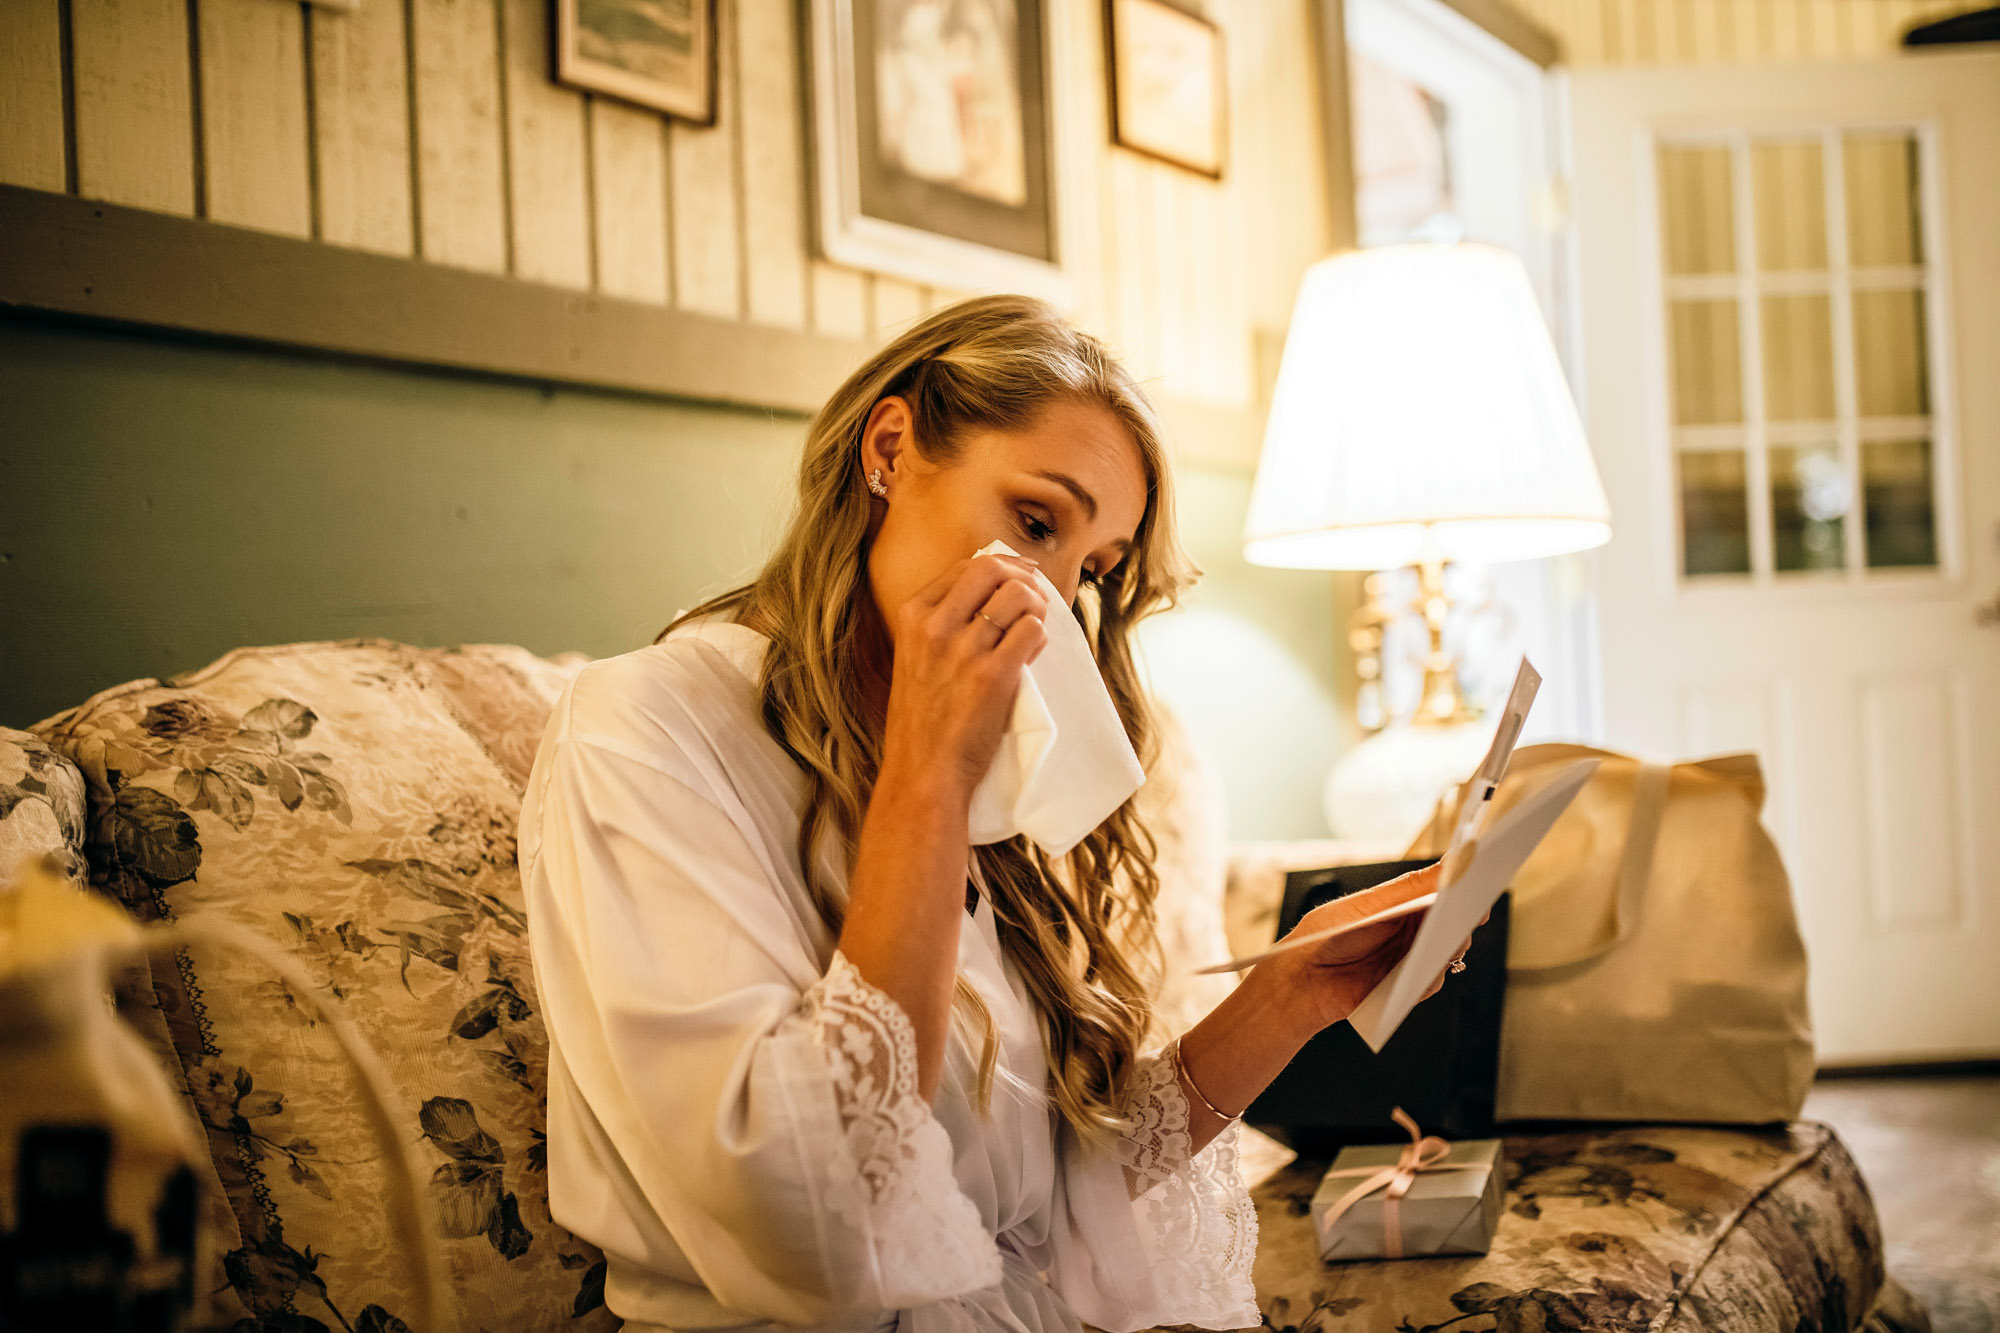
<point x="1424" y="1153"/>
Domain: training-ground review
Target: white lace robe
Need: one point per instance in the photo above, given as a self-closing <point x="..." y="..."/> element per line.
<point x="733" y="1111"/>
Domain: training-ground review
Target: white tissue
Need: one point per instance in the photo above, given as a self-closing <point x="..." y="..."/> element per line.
<point x="1065" y="763"/>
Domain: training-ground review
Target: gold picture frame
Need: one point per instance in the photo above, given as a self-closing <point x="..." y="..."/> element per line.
<point x="1168" y="84"/>
<point x="659" y="54"/>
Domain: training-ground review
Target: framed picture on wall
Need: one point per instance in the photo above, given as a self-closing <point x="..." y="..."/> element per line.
<point x="933" y="142"/>
<point x="656" y="53"/>
<point x="1168" y="84"/>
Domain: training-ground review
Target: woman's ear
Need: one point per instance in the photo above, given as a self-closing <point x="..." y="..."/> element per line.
<point x="885" y="436"/>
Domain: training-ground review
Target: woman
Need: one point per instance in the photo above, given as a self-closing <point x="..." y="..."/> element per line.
<point x="813" y="1059"/>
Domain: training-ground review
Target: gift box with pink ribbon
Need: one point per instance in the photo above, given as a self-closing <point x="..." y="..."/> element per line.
<point x="1424" y="1197"/>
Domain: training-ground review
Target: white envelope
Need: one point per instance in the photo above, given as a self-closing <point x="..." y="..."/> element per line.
<point x="1496" y="855"/>
<point x="1065" y="763"/>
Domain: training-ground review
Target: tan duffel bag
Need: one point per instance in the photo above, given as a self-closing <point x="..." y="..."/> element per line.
<point x="1654" y="965"/>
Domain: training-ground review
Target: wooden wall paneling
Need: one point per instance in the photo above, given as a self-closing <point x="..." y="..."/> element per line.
<point x="1791" y="30"/>
<point x="1862" y="20"/>
<point x="896" y="306"/>
<point x="937" y="298"/>
<point x="1902" y="16"/>
<point x="461" y="172"/>
<point x="547" y="197"/>
<point x="707" y="229"/>
<point x="774" y="217"/>
<point x="1659" y="29"/>
<point x="1127" y="244"/>
<point x="839" y="297"/>
<point x="1083" y="114"/>
<point x="1227" y="348"/>
<point x="1708" y="30"/>
<point x="131" y="75"/>
<point x="839" y="300"/>
<point x="1171" y="195"/>
<point x="134" y="266"/>
<point x="254" y="154"/>
<point x="1746" y="36"/>
<point x="1824" y="16"/>
<point x="361" y="127"/>
<point x="628" y="169"/>
<point x="33" y="151"/>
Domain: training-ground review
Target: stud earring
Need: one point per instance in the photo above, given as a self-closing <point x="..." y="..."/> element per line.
<point x="875" y="486"/>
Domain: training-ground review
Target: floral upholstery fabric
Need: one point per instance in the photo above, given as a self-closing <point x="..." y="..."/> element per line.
<point x="41" y="806"/>
<point x="1678" y="1229"/>
<point x="356" y="803"/>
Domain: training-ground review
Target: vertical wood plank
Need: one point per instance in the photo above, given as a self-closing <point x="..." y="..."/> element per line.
<point x="32" y="151"/>
<point x="1747" y="20"/>
<point x="1167" y="220"/>
<point x="547" y="201"/>
<point x="1665" y="31"/>
<point x="1129" y="248"/>
<point x="1786" y="43"/>
<point x="774" y="219"/>
<point x="253" y="115"/>
<point x="839" y="300"/>
<point x="1621" y="19"/>
<point x="1080" y="27"/>
<point x="937" y="298"/>
<point x="462" y="200"/>
<point x="134" y="103"/>
<point x="1825" y="40"/>
<point x="628" y="167"/>
<point x="361" y="127"/>
<point x="1860" y="26"/>
<point x="1584" y="38"/>
<point x="707" y="228"/>
<point x="1708" y="31"/>
<point x="897" y="305"/>
<point x="1901" y="18"/>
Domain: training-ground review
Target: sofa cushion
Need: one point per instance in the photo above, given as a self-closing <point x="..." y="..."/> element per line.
<point x="41" y="807"/>
<point x="355" y="802"/>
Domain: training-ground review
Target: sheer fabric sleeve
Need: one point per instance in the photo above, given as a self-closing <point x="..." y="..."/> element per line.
<point x="1149" y="1233"/>
<point x="762" y="1114"/>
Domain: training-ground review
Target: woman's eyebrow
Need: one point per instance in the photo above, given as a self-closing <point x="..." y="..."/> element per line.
<point x="1070" y="484"/>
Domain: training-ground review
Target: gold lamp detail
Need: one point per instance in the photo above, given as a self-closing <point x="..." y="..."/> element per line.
<point x="1421" y="416"/>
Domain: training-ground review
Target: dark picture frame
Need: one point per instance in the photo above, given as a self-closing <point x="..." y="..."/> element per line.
<point x="1158" y="60"/>
<point x="934" y="141"/>
<point x="639" y="51"/>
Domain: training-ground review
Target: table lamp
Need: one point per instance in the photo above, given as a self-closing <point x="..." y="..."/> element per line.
<point x="1420" y="417"/>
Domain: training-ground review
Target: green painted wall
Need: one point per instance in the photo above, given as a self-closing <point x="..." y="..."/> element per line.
<point x="163" y="501"/>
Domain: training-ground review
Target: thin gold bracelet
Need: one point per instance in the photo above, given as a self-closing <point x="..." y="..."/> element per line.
<point x="1180" y="1067"/>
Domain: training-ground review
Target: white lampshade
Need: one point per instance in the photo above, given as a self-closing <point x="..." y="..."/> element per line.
<point x="1421" y="411"/>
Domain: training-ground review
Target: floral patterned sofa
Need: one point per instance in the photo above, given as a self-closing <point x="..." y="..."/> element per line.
<point x="356" y="802"/>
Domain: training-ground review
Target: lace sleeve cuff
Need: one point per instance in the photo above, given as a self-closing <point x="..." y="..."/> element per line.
<point x="888" y="1178"/>
<point x="1194" y="1216"/>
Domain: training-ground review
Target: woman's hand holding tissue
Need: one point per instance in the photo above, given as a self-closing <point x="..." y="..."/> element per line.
<point x="960" y="645"/>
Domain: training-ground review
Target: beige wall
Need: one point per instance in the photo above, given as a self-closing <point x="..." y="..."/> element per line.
<point x="429" y="128"/>
<point x="1668" y="32"/>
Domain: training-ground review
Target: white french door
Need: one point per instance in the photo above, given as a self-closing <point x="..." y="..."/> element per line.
<point x="1788" y="284"/>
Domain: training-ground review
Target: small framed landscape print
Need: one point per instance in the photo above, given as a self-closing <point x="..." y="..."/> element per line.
<point x="656" y="53"/>
<point x="1168" y="83"/>
<point x="933" y="142"/>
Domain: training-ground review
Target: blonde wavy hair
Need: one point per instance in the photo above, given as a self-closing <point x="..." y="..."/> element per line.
<point x="1080" y="930"/>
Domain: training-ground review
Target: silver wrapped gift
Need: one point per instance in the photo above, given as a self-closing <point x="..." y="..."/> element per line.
<point x="1450" y="1200"/>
